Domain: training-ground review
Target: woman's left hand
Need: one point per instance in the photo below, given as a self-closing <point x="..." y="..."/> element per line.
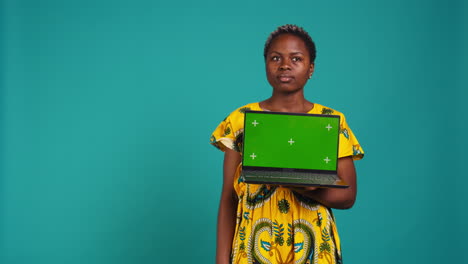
<point x="340" y="198"/>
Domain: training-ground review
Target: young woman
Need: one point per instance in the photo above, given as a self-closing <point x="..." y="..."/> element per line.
<point x="278" y="224"/>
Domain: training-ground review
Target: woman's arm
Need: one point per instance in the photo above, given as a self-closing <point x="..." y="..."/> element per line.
<point x="227" y="208"/>
<point x="335" y="197"/>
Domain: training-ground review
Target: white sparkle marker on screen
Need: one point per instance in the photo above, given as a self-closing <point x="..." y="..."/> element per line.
<point x="329" y="127"/>
<point x="290" y="142"/>
<point x="255" y="123"/>
<point x="327" y="160"/>
<point x="253" y="156"/>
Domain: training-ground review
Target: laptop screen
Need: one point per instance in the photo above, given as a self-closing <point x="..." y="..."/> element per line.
<point x="291" y="141"/>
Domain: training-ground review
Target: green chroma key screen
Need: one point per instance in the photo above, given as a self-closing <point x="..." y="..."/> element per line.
<point x="293" y="141"/>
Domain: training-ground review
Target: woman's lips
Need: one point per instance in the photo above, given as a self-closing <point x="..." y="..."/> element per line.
<point x="285" y="78"/>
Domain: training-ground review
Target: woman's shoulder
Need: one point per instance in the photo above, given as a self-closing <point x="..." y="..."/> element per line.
<point x="324" y="110"/>
<point x="240" y="111"/>
<point x="228" y="134"/>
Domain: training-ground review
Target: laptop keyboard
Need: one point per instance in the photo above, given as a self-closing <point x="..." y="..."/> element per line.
<point x="292" y="177"/>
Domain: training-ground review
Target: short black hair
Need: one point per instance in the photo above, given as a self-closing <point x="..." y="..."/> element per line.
<point x="296" y="31"/>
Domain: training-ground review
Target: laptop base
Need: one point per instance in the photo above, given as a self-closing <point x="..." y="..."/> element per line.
<point x="294" y="178"/>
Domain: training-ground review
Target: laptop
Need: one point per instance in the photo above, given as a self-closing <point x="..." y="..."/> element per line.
<point x="291" y="149"/>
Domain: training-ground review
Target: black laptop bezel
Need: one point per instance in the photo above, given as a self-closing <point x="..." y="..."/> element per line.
<point x="340" y="182"/>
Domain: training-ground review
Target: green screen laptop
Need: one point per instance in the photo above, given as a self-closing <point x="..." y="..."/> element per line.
<point x="291" y="149"/>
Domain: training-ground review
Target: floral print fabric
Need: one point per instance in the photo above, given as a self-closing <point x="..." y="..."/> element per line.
<point x="275" y="224"/>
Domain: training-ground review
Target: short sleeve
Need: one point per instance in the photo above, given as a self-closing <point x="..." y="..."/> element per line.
<point x="348" y="144"/>
<point x="229" y="133"/>
<point x="223" y="137"/>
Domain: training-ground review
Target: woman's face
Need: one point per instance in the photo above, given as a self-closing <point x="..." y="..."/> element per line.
<point x="288" y="65"/>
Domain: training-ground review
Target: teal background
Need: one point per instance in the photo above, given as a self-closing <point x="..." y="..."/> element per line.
<point x="107" y="108"/>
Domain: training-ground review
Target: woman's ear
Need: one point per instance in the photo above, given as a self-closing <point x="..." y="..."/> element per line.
<point x="311" y="70"/>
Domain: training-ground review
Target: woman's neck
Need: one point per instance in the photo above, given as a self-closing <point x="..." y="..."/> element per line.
<point x="295" y="103"/>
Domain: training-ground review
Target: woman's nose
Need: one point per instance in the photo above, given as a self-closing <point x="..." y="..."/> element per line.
<point x="285" y="65"/>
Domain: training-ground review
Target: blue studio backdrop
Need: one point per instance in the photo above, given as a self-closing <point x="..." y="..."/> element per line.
<point x="107" y="108"/>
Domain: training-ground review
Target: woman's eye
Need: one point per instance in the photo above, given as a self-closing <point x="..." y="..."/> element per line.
<point x="296" y="59"/>
<point x="275" y="58"/>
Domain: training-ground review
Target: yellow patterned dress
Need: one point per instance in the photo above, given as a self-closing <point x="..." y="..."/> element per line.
<point x="274" y="224"/>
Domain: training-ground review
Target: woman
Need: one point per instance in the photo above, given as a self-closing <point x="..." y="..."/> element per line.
<point x="277" y="224"/>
